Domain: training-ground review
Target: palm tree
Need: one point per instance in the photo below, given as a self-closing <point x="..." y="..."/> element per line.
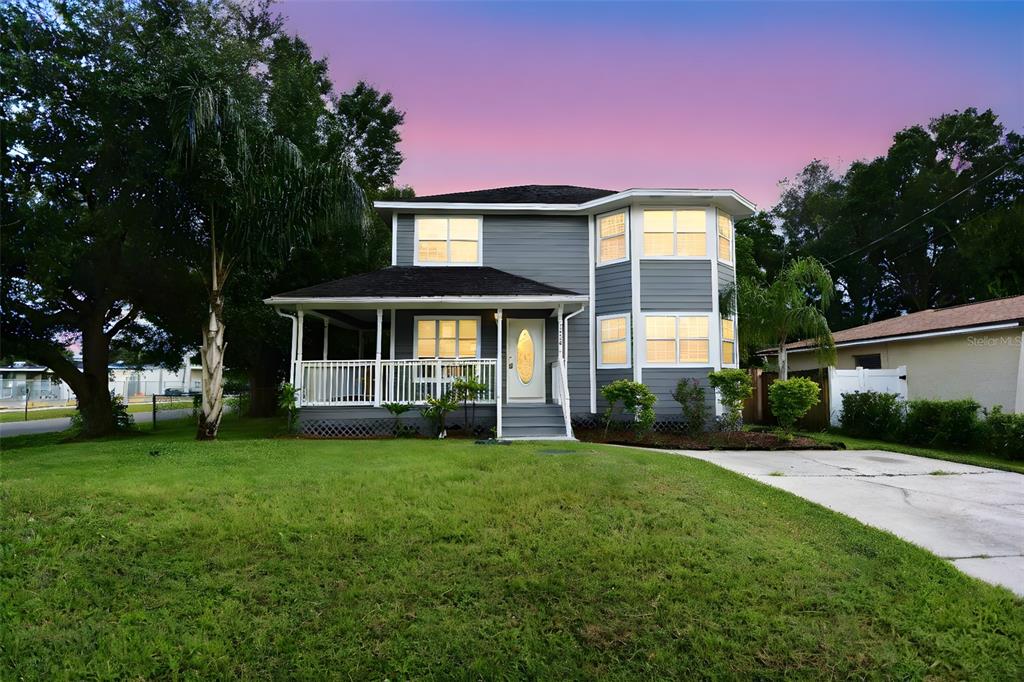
<point x="790" y="308"/>
<point x="255" y="199"/>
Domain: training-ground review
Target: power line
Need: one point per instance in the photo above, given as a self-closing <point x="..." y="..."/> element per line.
<point x="926" y="213"/>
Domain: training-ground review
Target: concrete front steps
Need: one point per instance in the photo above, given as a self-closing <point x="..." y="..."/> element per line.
<point x="533" y="421"/>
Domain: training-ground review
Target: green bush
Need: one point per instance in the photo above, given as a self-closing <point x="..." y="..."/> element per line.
<point x="287" y="402"/>
<point x="873" y="414"/>
<point x="1004" y="433"/>
<point x="791" y="399"/>
<point x="690" y="396"/>
<point x="733" y="386"/>
<point x="944" y="423"/>
<point x="636" y="399"/>
<point x="437" y="410"/>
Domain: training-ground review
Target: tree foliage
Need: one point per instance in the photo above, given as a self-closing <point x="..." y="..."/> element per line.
<point x="938" y="220"/>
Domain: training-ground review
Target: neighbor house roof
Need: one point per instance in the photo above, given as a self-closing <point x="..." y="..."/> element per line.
<point x="426" y="282"/>
<point x="968" y="316"/>
<point x="521" y="194"/>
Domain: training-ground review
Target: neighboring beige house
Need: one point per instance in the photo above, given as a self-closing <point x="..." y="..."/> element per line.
<point x="972" y="350"/>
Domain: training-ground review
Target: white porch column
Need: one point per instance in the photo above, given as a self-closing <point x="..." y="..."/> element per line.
<point x="499" y="371"/>
<point x="325" y="338"/>
<point x="377" y="365"/>
<point x="298" y="360"/>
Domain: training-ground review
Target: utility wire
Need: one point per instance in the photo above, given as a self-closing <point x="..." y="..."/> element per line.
<point x="926" y="213"/>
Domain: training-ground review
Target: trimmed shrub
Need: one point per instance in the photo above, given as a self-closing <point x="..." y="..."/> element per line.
<point x="943" y="423"/>
<point x="733" y="386"/>
<point x="792" y="399"/>
<point x="872" y="414"/>
<point x="636" y="399"/>
<point x="690" y="396"/>
<point x="1004" y="433"/>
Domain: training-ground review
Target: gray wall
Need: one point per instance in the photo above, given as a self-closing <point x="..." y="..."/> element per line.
<point x="612" y="292"/>
<point x="662" y="383"/>
<point x="605" y="377"/>
<point x="675" y="285"/>
<point x="405" y="327"/>
<point x="549" y="249"/>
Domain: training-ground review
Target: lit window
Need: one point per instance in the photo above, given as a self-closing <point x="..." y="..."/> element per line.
<point x="676" y="339"/>
<point x="614" y="342"/>
<point x="611" y="233"/>
<point x="680" y="232"/>
<point x="448" y="240"/>
<point x="728" y="342"/>
<point x="446" y="338"/>
<point x="724" y="237"/>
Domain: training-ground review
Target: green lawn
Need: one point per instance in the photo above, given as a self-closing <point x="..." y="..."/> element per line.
<point x="19" y="415"/>
<point x="977" y="458"/>
<point x="159" y="557"/>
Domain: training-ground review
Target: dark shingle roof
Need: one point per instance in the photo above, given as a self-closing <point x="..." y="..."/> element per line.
<point x="522" y="194"/>
<point x="414" y="282"/>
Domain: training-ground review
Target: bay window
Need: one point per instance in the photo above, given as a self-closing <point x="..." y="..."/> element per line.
<point x="724" y="237"/>
<point x="447" y="337"/>
<point x="611" y="238"/>
<point x="613" y="341"/>
<point x="676" y="339"/>
<point x="675" y="232"/>
<point x="728" y="342"/>
<point x="447" y="241"/>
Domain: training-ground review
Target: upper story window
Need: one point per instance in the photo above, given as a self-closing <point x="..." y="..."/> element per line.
<point x="613" y="347"/>
<point x="448" y="241"/>
<point x="728" y="342"/>
<point x="611" y="238"/>
<point x="676" y="339"/>
<point x="675" y="232"/>
<point x="724" y="237"/>
<point x="447" y="337"/>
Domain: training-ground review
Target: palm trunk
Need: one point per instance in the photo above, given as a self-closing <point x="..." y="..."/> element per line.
<point x="783" y="362"/>
<point x="213" y="355"/>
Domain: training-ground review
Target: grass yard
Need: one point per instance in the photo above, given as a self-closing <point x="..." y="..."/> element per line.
<point x="159" y="557"/>
<point x="55" y="413"/>
<point x="980" y="459"/>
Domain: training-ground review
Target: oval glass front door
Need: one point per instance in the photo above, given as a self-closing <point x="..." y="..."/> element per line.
<point x="524" y="356"/>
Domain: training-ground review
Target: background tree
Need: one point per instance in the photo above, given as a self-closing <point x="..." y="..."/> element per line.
<point x="790" y="308"/>
<point x="86" y="204"/>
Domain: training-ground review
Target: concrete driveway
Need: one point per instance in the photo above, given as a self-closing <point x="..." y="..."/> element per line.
<point x="970" y="515"/>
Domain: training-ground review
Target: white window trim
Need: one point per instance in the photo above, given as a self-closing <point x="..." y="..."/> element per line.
<point x="597" y="238"/>
<point x="732" y="242"/>
<point x="713" y="355"/>
<point x="447" y="264"/>
<point x="708" y="242"/>
<point x="735" y="342"/>
<point x="629" y="341"/>
<point x="438" y="318"/>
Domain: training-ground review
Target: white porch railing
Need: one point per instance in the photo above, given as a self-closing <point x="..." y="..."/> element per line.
<point x="352" y="382"/>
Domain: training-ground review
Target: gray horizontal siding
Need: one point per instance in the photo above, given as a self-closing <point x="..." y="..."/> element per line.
<point x="612" y="289"/>
<point x="662" y="383"/>
<point x="404" y="243"/>
<point x="549" y="249"/>
<point x="577" y="335"/>
<point x="675" y="285"/>
<point x="726" y="276"/>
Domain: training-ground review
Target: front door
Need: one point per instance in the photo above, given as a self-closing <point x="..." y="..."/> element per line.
<point x="524" y="360"/>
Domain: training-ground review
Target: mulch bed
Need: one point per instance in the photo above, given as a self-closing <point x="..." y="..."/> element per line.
<point x="732" y="440"/>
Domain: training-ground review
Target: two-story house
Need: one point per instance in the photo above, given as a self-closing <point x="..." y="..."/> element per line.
<point x="545" y="293"/>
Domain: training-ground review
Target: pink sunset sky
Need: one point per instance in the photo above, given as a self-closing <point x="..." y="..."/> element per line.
<point x="664" y="94"/>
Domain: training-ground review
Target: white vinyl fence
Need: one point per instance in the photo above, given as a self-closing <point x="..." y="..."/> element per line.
<point x="843" y="381"/>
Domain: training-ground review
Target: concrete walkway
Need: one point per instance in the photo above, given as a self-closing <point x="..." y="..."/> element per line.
<point x="62" y="423"/>
<point x="970" y="515"/>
